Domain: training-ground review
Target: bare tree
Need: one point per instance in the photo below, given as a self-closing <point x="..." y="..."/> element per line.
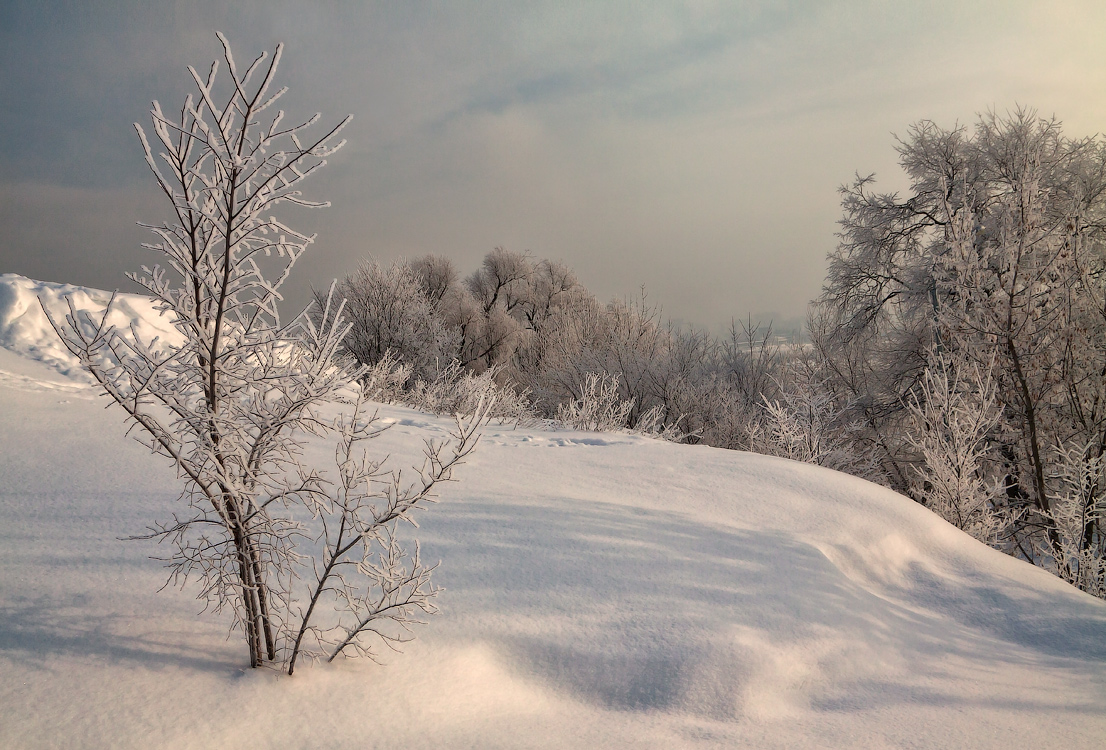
<point x="233" y="405"/>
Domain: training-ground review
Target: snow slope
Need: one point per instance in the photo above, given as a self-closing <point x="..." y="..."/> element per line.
<point x="602" y="590"/>
<point x="24" y="327"/>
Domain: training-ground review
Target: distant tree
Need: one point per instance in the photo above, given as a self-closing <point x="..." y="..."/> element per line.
<point x="389" y="310"/>
<point x="532" y="328"/>
<point x="503" y="280"/>
<point x="552" y="286"/>
<point x="436" y="276"/>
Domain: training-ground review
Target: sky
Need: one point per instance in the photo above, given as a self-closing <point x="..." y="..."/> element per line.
<point x="693" y="149"/>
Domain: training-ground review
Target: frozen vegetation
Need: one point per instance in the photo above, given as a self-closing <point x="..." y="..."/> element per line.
<point x="630" y="559"/>
<point x="601" y="589"/>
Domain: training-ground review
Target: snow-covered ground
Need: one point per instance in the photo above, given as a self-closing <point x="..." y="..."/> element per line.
<point x="603" y="590"/>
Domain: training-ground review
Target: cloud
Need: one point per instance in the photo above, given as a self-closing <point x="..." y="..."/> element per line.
<point x="694" y="148"/>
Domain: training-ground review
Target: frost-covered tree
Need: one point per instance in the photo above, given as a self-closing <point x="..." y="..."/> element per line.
<point x="389" y="311"/>
<point x="996" y="257"/>
<point x="954" y="420"/>
<point x="233" y="405"/>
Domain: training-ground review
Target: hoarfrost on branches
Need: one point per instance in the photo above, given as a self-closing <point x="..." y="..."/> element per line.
<point x="995" y="258"/>
<point x="955" y="414"/>
<point x="234" y="404"/>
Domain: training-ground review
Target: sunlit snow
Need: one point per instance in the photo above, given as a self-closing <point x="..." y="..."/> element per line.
<point x="602" y="590"/>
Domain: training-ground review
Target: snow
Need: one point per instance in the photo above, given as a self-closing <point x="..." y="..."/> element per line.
<point x="602" y="590"/>
<point x="24" y="327"/>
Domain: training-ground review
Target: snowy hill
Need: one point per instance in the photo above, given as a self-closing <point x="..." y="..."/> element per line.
<point x="602" y="590"/>
<point x="24" y="327"/>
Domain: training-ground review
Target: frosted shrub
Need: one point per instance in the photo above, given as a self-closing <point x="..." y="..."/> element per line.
<point x="1078" y="511"/>
<point x="599" y="407"/>
<point x="809" y="425"/>
<point x="954" y="414"/>
<point x="384" y="381"/>
<point x="653" y="423"/>
<point x="454" y="390"/>
<point x="233" y="404"/>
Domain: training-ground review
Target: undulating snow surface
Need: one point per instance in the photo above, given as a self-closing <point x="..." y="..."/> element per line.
<point x="603" y="590"/>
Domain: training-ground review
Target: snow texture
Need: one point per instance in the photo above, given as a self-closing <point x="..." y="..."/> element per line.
<point x="602" y="590"/>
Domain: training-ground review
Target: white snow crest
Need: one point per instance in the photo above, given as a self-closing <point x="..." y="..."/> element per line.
<point x="25" y="329"/>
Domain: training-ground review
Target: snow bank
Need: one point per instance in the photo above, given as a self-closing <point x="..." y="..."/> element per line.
<point x="25" y="329"/>
<point x="602" y="590"/>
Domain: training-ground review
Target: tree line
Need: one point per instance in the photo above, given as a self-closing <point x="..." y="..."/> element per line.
<point x="957" y="352"/>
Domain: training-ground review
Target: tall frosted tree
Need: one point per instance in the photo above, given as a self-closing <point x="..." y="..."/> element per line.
<point x="996" y="258"/>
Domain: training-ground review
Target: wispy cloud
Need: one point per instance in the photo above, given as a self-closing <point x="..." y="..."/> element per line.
<point x="692" y="147"/>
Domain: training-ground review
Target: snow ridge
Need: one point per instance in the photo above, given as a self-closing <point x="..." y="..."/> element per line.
<point x="25" y="329"/>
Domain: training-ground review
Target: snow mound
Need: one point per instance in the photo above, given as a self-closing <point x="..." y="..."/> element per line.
<point x="615" y="592"/>
<point x="26" y="330"/>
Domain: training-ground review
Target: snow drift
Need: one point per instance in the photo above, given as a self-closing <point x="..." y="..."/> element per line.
<point x="24" y="327"/>
<point x="602" y="589"/>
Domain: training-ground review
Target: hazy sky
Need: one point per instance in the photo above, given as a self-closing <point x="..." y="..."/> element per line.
<point x="694" y="148"/>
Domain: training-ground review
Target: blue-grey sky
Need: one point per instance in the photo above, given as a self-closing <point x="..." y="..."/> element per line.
<point x="693" y="148"/>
